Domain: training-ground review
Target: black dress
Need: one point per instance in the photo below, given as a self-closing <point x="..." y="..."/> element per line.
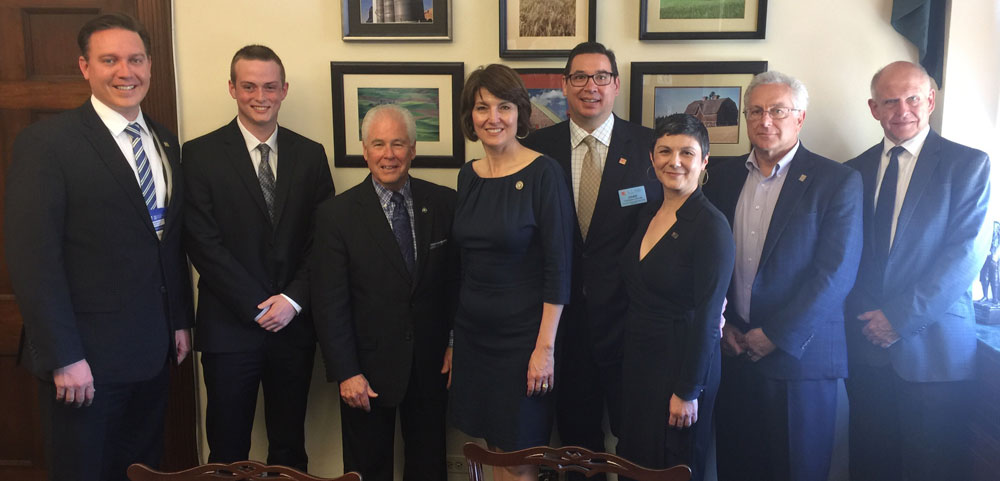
<point x="672" y="334"/>
<point x="515" y="235"/>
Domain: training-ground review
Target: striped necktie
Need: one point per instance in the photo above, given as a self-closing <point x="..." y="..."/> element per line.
<point x="146" y="184"/>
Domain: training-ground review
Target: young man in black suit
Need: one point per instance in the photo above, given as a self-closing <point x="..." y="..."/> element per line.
<point x="385" y="286"/>
<point x="608" y="194"/>
<point x="254" y="188"/>
<point x="93" y="244"/>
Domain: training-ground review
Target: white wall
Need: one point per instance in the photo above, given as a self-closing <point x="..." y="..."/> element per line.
<point x="833" y="47"/>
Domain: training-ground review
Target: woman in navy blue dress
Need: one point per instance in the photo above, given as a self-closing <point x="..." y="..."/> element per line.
<point x="513" y="225"/>
<point x="677" y="269"/>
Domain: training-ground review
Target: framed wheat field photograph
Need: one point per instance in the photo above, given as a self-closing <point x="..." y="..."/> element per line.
<point x="396" y="19"/>
<point x="701" y="19"/>
<point x="545" y="28"/>
<point x="711" y="91"/>
<point x="429" y="90"/>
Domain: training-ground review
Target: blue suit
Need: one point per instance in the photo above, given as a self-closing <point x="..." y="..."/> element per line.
<point x="925" y="294"/>
<point x="775" y="417"/>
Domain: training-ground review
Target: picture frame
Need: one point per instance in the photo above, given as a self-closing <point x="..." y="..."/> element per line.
<point x="711" y="91"/>
<point x="548" y="105"/>
<point x="533" y="39"/>
<point x="359" y="20"/>
<point x="693" y="20"/>
<point x="430" y="90"/>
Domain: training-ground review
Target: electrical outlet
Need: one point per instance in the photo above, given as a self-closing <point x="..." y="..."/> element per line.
<point x="456" y="464"/>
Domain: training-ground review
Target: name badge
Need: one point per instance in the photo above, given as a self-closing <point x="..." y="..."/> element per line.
<point x="632" y="196"/>
<point x="157" y="215"/>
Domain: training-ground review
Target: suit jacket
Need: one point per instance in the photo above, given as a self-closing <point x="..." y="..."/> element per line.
<point x="241" y="257"/>
<point x="807" y="266"/>
<point x="372" y="316"/>
<point x="92" y="279"/>
<point x="598" y="300"/>
<point x="937" y="250"/>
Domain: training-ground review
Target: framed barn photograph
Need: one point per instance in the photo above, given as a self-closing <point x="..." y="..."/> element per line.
<point x="701" y="19"/>
<point x="396" y="19"/>
<point x="545" y="28"/>
<point x="548" y="105"/>
<point x="429" y="90"/>
<point x="711" y="91"/>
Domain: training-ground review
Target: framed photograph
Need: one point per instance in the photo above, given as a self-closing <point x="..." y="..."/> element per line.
<point x="711" y="91"/>
<point x="701" y="19"/>
<point x="545" y="28"/>
<point x="429" y="90"/>
<point x="396" y="19"/>
<point x="548" y="105"/>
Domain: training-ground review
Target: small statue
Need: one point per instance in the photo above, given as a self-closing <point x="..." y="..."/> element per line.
<point x="988" y="278"/>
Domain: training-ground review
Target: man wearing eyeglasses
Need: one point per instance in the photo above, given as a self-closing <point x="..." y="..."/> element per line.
<point x="605" y="160"/>
<point x="796" y="219"/>
<point x="910" y="322"/>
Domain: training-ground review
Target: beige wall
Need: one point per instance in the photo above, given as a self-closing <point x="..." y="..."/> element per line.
<point x="833" y="47"/>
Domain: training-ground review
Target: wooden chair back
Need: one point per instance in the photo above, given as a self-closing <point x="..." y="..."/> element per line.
<point x="565" y="459"/>
<point x="238" y="471"/>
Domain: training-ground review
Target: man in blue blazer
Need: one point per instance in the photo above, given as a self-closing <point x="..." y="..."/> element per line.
<point x="591" y="333"/>
<point x="796" y="219"/>
<point x="910" y="323"/>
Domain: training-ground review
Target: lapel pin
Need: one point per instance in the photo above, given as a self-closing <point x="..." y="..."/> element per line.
<point x="166" y="144"/>
<point x="423" y="210"/>
<point x="802" y="178"/>
<point x="674" y="235"/>
<point x="519" y="185"/>
<point x="622" y="161"/>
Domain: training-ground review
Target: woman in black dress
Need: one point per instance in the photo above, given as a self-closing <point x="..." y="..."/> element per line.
<point x="677" y="268"/>
<point x="513" y="225"/>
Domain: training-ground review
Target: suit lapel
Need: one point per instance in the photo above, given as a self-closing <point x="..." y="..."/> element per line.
<point x="285" y="177"/>
<point x="374" y="219"/>
<point x="923" y="172"/>
<point x="614" y="172"/>
<point x="170" y="157"/>
<point x="107" y="149"/>
<point x="869" y="165"/>
<point x="423" y="217"/>
<point x="239" y="159"/>
<point x="797" y="180"/>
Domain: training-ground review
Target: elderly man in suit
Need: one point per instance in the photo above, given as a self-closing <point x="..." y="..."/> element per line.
<point x="796" y="219"/>
<point x="606" y="160"/>
<point x="93" y="244"/>
<point x="385" y="286"/>
<point x="910" y="324"/>
<point x="254" y="188"/>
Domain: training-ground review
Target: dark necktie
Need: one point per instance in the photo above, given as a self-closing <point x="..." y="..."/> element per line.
<point x="266" y="178"/>
<point x="402" y="229"/>
<point x="886" y="205"/>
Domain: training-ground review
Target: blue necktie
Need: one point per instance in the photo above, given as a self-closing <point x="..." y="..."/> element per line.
<point x="266" y="178"/>
<point x="402" y="229"/>
<point x="146" y="184"/>
<point x="886" y="205"/>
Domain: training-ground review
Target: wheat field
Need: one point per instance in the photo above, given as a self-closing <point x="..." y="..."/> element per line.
<point x="547" y="18"/>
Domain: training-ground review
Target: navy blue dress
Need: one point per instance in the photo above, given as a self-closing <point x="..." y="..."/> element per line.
<point x="672" y="334"/>
<point x="515" y="234"/>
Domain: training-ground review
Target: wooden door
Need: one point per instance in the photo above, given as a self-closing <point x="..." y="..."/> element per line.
<point x="39" y="76"/>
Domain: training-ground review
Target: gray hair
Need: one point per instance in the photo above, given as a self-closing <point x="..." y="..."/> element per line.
<point x="915" y="66"/>
<point x="387" y="109"/>
<point x="800" y="96"/>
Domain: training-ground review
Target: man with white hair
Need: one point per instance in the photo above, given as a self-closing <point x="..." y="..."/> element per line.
<point x="796" y="219"/>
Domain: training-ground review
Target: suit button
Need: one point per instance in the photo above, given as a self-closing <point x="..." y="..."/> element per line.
<point x="584" y="290"/>
<point x="408" y="337"/>
<point x="163" y="289"/>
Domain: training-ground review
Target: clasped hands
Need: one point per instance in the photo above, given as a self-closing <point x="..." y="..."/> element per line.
<point x="753" y="344"/>
<point x="879" y="330"/>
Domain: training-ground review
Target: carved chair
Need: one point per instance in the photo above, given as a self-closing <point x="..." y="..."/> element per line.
<point x="569" y="458"/>
<point x="238" y="471"/>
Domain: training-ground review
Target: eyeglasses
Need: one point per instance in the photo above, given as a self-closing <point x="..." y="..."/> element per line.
<point x="580" y="79"/>
<point x="776" y="113"/>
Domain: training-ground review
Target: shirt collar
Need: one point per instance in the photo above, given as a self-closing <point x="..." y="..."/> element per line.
<point x="253" y="142"/>
<point x="602" y="133"/>
<point x="113" y="120"/>
<point x="781" y="167"/>
<point x="384" y="194"/>
<point x="913" y="145"/>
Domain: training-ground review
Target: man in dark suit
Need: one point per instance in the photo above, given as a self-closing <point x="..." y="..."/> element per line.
<point x="93" y="237"/>
<point x="606" y="160"/>
<point x="910" y="323"/>
<point x="796" y="219"/>
<point x="254" y="188"/>
<point x="385" y="285"/>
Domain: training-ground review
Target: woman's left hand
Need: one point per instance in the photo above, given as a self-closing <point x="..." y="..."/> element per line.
<point x="541" y="369"/>
<point x="683" y="413"/>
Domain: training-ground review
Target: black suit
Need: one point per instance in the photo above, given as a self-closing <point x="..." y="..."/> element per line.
<point x="591" y="328"/>
<point x="95" y="282"/>
<point x="375" y="318"/>
<point x="243" y="260"/>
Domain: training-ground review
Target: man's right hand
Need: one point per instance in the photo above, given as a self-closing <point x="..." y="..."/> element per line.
<point x="74" y="384"/>
<point x="732" y="341"/>
<point x="356" y="392"/>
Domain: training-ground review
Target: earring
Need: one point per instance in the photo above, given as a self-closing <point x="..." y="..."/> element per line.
<point x="703" y="179"/>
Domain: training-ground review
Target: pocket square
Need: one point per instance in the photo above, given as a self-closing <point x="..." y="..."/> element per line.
<point x="435" y="245"/>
